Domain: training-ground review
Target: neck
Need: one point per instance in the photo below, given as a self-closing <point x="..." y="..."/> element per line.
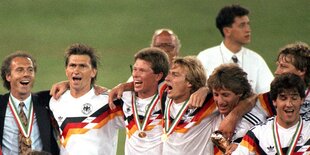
<point x="147" y="94"/>
<point x="20" y="96"/>
<point x="287" y="125"/>
<point x="181" y="99"/>
<point x="232" y="46"/>
<point x="78" y="93"/>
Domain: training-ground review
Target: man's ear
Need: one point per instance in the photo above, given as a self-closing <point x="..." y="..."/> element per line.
<point x="302" y="73"/>
<point x="159" y="76"/>
<point x="93" y="73"/>
<point x="8" y="77"/>
<point x="189" y="85"/>
<point x="274" y="103"/>
<point x="227" y="31"/>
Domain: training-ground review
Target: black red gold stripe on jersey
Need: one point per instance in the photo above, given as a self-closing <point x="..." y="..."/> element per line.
<point x="80" y="125"/>
<point x="151" y="123"/>
<point x="199" y="114"/>
<point x="267" y="104"/>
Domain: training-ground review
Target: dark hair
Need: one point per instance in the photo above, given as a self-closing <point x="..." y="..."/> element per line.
<point x="157" y="58"/>
<point x="231" y="77"/>
<point x="298" y="54"/>
<point x="287" y="82"/>
<point x="227" y="14"/>
<point x="81" y="49"/>
<point x="6" y="66"/>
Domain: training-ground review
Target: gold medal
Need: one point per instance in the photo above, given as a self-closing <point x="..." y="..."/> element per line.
<point x="142" y="134"/>
<point x="164" y="137"/>
<point x="27" y="141"/>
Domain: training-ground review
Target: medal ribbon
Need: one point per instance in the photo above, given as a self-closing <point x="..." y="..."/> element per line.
<point x="26" y="130"/>
<point x="147" y="115"/>
<point x="307" y="92"/>
<point x="293" y="143"/>
<point x="168" y="130"/>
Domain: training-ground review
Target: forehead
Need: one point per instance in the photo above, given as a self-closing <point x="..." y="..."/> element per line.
<point x="79" y="59"/>
<point x="178" y="68"/>
<point x="164" y="38"/>
<point x="142" y="63"/>
<point x="221" y="90"/>
<point x="288" y="92"/>
<point x="288" y="58"/>
<point x="241" y="19"/>
<point x="21" y="61"/>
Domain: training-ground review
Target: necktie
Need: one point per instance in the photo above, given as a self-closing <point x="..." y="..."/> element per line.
<point x="234" y="59"/>
<point x="23" y="142"/>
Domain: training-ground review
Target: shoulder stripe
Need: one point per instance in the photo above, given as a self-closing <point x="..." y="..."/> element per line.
<point x="267" y="104"/>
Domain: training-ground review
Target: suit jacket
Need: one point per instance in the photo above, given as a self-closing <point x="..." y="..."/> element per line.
<point x="44" y="119"/>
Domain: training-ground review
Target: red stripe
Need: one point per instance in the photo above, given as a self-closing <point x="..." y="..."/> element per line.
<point x="198" y="116"/>
<point x="101" y="117"/>
<point x="268" y="103"/>
<point x="132" y="122"/>
<point x="250" y="142"/>
<point x="70" y="126"/>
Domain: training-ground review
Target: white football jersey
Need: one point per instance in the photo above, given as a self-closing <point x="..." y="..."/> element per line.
<point x="150" y="144"/>
<point x="87" y="125"/>
<point x="192" y="134"/>
<point x="260" y="139"/>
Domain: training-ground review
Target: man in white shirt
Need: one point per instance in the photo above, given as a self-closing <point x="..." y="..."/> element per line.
<point x="234" y="24"/>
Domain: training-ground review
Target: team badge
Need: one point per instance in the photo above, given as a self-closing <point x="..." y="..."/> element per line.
<point x="87" y="108"/>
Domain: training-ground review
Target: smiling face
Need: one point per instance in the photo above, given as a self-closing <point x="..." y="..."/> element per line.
<point x="80" y="72"/>
<point x="285" y="65"/>
<point x="225" y="100"/>
<point x="287" y="106"/>
<point x="179" y="89"/>
<point x="21" y="77"/>
<point x="144" y="78"/>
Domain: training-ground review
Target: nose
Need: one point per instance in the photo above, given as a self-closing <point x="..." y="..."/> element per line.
<point x="277" y="71"/>
<point x="167" y="78"/>
<point x="135" y="73"/>
<point x="218" y="100"/>
<point x="289" y="103"/>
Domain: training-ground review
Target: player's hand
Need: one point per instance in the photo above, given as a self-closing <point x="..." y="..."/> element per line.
<point x="99" y="89"/>
<point x="59" y="88"/>
<point x="198" y="97"/>
<point x="231" y="148"/>
<point x="115" y="93"/>
<point x="228" y="125"/>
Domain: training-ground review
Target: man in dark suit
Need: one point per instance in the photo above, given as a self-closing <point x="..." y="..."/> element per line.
<point x="25" y="118"/>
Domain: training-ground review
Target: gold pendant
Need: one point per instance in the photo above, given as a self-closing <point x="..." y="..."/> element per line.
<point x="164" y="137"/>
<point x="142" y="134"/>
<point x="27" y="141"/>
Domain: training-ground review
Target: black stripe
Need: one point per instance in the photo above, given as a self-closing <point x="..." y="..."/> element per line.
<point x="100" y="111"/>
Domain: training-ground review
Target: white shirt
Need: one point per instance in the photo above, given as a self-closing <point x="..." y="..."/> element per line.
<point x="259" y="74"/>
<point x="11" y="130"/>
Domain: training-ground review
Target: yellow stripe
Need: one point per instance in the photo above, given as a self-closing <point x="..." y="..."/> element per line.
<point x="207" y="113"/>
<point x="83" y="130"/>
